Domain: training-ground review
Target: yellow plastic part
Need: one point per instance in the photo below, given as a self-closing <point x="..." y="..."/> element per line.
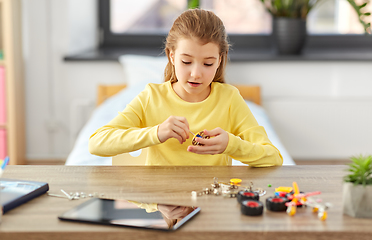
<point x="235" y="181"/>
<point x="295" y="188"/>
<point x="291" y="210"/>
<point x="322" y="215"/>
<point x="284" y="189"/>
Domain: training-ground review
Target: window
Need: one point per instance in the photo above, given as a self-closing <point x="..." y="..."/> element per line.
<point x="336" y="17"/>
<point x="239" y="16"/>
<point x="144" y="16"/>
<point x="145" y="23"/>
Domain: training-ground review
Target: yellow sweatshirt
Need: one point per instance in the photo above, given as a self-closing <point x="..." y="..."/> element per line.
<point x="136" y="128"/>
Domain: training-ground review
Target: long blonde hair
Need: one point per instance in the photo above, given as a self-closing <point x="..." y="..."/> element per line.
<point x="206" y="27"/>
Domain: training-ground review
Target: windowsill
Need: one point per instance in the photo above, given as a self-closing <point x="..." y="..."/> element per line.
<point x="236" y="55"/>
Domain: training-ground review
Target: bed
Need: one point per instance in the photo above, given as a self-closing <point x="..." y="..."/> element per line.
<point x="139" y="71"/>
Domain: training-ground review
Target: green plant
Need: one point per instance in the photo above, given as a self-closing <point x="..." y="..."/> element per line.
<point x="361" y="170"/>
<point x="367" y="26"/>
<point x="191" y="4"/>
<point x="301" y="8"/>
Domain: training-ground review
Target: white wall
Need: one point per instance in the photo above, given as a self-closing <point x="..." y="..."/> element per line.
<point x="321" y="110"/>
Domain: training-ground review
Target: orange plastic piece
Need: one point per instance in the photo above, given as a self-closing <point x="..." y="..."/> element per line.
<point x="235" y="181"/>
<point x="291" y="210"/>
<point x="284" y="189"/>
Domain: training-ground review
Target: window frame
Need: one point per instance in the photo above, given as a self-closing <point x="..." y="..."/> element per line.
<point x="238" y="41"/>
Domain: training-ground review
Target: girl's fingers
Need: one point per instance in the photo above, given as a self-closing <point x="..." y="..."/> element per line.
<point x="180" y="132"/>
<point x="181" y="129"/>
<point x="207" y="141"/>
<point x="174" y="127"/>
<point x="214" y="145"/>
<point x="183" y="120"/>
<point x="214" y="132"/>
<point x="175" y="135"/>
<point x="204" y="150"/>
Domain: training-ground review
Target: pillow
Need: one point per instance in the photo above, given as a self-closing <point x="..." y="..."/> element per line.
<point x="103" y="114"/>
<point x="139" y="69"/>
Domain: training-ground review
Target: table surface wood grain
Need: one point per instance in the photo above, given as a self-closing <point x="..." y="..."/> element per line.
<point x="220" y="217"/>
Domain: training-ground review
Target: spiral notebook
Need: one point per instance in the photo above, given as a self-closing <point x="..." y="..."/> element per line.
<point x="16" y="192"/>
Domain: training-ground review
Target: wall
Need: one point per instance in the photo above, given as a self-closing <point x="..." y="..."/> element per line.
<point x="321" y="110"/>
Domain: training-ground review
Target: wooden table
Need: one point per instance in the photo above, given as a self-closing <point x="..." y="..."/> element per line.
<point x="220" y="217"/>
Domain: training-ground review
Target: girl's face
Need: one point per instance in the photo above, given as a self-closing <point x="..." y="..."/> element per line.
<point x="195" y="65"/>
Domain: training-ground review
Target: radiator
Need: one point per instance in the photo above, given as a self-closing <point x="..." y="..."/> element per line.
<point x="80" y="112"/>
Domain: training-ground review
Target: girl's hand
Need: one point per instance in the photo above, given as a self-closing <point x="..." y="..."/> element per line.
<point x="174" y="127"/>
<point x="215" y="145"/>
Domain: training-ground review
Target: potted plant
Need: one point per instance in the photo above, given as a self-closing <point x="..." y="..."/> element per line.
<point x="289" y="22"/>
<point x="357" y="188"/>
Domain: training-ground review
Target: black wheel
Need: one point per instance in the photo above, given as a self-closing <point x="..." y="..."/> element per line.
<point x="276" y="204"/>
<point x="251" y="207"/>
<point x="247" y="195"/>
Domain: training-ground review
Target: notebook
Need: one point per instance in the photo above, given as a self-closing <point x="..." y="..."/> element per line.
<point x="16" y="192"/>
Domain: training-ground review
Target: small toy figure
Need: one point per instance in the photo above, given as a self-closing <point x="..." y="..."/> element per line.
<point x="199" y="135"/>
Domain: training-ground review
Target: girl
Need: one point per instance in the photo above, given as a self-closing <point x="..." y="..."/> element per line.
<point x="192" y="98"/>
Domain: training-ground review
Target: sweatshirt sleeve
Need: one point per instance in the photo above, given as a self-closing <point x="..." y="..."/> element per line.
<point x="248" y="142"/>
<point x="126" y="132"/>
<point x="149" y="207"/>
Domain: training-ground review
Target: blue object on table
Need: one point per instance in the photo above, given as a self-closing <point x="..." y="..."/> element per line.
<point x="6" y="161"/>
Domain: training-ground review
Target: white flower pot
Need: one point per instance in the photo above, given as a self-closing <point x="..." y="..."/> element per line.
<point x="357" y="200"/>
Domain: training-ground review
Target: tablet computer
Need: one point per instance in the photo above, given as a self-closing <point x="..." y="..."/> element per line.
<point x="128" y="213"/>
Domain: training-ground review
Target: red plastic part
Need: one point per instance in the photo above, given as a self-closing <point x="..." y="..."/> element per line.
<point x="252" y="204"/>
<point x="277" y="200"/>
<point x="249" y="194"/>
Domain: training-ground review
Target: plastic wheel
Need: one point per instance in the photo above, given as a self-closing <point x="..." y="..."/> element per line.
<point x="251" y="207"/>
<point x="247" y="195"/>
<point x="276" y="204"/>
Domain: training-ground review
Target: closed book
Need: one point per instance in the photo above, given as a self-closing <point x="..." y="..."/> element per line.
<point x="17" y="192"/>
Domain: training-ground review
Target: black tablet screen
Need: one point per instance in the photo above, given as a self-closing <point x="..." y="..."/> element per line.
<point x="131" y="214"/>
